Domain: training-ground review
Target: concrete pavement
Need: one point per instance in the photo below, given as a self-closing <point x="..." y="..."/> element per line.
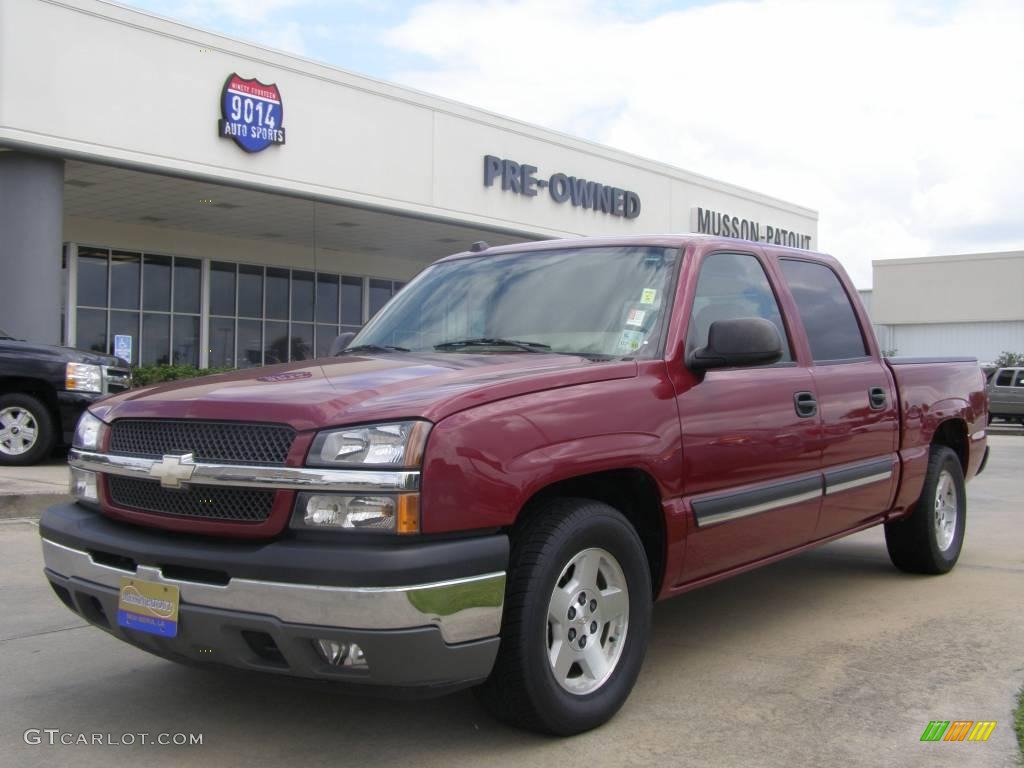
<point x="829" y="658"/>
<point x="27" y="491"/>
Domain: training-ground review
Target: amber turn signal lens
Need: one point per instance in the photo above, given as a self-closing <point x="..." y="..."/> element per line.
<point x="408" y="513"/>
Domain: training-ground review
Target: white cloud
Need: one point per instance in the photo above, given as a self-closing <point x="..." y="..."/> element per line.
<point x="259" y="21"/>
<point x="901" y="123"/>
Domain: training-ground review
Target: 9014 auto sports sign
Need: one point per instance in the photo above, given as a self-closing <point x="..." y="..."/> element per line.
<point x="251" y="113"/>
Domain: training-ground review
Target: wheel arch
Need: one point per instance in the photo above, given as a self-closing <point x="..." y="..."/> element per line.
<point x="633" y="492"/>
<point x="22" y="385"/>
<point x="952" y="433"/>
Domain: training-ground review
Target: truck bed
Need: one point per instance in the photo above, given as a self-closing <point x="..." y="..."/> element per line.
<point x="923" y="385"/>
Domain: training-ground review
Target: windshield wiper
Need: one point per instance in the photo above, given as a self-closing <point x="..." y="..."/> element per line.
<point x="483" y="341"/>
<point x="373" y="348"/>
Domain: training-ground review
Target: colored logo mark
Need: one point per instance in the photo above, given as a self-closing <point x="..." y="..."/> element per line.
<point x="958" y="730"/>
<point x="251" y="113"/>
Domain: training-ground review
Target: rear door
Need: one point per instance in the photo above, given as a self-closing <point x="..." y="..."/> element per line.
<point x="856" y="397"/>
<point x="750" y="435"/>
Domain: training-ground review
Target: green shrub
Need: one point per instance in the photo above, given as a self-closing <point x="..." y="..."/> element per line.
<point x="1009" y="360"/>
<point x="155" y="374"/>
<point x="1018" y="723"/>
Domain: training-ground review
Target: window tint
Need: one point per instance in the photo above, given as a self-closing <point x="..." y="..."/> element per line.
<point x="1004" y="378"/>
<point x="222" y="289"/>
<point x="825" y="309"/>
<point x="352" y="301"/>
<point x="380" y="294"/>
<point x="156" y="283"/>
<point x="92" y="280"/>
<point x="124" y="280"/>
<point x="1020" y="379"/>
<point x="730" y="286"/>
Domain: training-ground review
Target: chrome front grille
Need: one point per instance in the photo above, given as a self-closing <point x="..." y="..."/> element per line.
<point x="116" y="379"/>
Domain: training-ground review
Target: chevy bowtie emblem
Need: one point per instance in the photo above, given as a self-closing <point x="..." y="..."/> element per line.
<point x="172" y="471"/>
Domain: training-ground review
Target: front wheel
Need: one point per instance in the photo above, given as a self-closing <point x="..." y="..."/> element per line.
<point x="26" y="430"/>
<point x="930" y="539"/>
<point x="576" y="619"/>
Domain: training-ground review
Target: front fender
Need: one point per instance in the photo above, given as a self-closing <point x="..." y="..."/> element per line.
<point x="484" y="464"/>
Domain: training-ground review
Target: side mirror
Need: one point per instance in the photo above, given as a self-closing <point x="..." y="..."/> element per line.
<point x="340" y="343"/>
<point x="738" y="342"/>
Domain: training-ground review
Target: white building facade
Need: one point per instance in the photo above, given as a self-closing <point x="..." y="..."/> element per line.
<point x="182" y="197"/>
<point x="969" y="304"/>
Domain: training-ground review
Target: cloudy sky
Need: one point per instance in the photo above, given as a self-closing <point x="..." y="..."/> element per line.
<point x="901" y="122"/>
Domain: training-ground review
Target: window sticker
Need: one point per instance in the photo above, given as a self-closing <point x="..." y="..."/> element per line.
<point x="648" y="295"/>
<point x="630" y="341"/>
<point x="636" y="317"/>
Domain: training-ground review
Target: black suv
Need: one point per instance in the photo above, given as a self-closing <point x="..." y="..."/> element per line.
<point x="43" y="391"/>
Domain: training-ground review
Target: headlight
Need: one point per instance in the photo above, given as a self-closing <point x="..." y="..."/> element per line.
<point x="82" y="377"/>
<point x="398" y="444"/>
<point x="87" y="433"/>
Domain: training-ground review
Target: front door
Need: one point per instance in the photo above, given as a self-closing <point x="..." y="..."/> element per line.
<point x="750" y="435"/>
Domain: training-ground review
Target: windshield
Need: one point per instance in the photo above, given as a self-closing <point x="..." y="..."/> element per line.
<point x="4" y="334"/>
<point x="582" y="301"/>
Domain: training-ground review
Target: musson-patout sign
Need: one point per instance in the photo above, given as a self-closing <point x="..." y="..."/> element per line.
<point x="251" y="113"/>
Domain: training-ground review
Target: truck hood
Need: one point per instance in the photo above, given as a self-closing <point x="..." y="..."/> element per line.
<point x="360" y="388"/>
<point x="60" y="354"/>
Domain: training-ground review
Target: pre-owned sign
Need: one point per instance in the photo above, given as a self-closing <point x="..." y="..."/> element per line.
<point x="521" y="179"/>
<point x="251" y="113"/>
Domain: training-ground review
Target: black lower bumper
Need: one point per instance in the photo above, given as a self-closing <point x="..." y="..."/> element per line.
<point x="430" y="622"/>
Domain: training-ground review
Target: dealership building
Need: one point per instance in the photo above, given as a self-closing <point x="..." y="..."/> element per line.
<point x="968" y="304"/>
<point x="180" y="196"/>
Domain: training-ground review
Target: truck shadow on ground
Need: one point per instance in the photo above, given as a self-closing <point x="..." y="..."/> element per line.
<point x="310" y="721"/>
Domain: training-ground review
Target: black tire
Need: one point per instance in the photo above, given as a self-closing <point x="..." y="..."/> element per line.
<point x="522" y="689"/>
<point x="913" y="542"/>
<point x="36" y="414"/>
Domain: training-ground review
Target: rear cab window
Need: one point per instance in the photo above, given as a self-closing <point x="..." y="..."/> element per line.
<point x="1005" y="378"/>
<point x="829" y="319"/>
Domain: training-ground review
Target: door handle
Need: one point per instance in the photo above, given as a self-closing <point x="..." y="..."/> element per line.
<point x="805" y="403"/>
<point x="877" y="398"/>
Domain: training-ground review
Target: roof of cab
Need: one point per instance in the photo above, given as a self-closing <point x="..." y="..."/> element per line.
<point x="663" y="241"/>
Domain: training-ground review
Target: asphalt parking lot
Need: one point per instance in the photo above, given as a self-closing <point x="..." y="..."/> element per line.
<point x="829" y="658"/>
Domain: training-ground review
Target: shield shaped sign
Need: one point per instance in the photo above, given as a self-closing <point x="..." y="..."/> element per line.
<point x="251" y="113"/>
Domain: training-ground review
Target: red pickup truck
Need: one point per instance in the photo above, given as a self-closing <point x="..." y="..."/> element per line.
<point x="494" y="481"/>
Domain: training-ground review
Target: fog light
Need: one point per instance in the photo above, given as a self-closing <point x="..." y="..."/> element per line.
<point x="335" y="510"/>
<point x="83" y="485"/>
<point x="339" y="654"/>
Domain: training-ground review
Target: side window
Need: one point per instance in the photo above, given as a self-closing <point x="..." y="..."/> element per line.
<point x="732" y="285"/>
<point x="1020" y="379"/>
<point x="1005" y="378"/>
<point x="828" y="317"/>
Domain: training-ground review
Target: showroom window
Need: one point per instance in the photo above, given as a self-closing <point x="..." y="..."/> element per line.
<point x="150" y="298"/>
<point x="266" y="315"/>
<point x="381" y="292"/>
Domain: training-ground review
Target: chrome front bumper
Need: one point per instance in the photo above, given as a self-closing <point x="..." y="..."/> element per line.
<point x="462" y="609"/>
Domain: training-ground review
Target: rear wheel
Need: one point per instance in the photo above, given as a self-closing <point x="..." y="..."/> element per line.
<point x="576" y="619"/>
<point x="26" y="430"/>
<point x="930" y="539"/>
